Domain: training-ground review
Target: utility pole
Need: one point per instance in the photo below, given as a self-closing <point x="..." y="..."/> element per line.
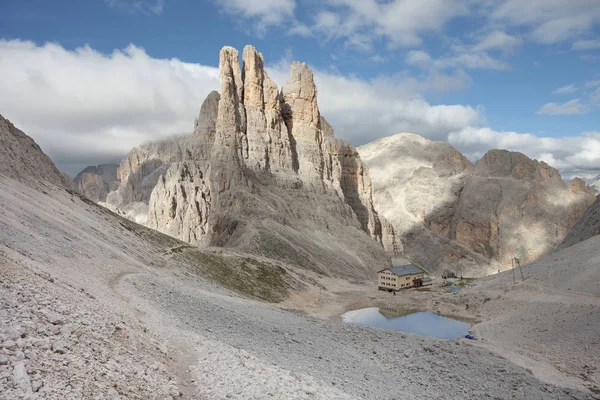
<point x="520" y="269"/>
<point x="513" y="270"/>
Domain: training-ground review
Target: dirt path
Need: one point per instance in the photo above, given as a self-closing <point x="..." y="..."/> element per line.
<point x="180" y="354"/>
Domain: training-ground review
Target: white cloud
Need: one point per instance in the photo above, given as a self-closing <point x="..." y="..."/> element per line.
<point x="573" y="156"/>
<point x="299" y="29"/>
<point x="265" y="13"/>
<point x="595" y="96"/>
<point x="586" y="44"/>
<point x="145" y="7"/>
<point x="498" y="40"/>
<point x="328" y="23"/>
<point x="376" y="59"/>
<point x="399" y="22"/>
<point x="572" y="107"/>
<point x="591" y="84"/>
<point x="85" y="107"/>
<point x="361" y="111"/>
<point x="419" y="58"/>
<point x="365" y="24"/>
<point x="461" y="57"/>
<point x="549" y="21"/>
<point x="565" y="89"/>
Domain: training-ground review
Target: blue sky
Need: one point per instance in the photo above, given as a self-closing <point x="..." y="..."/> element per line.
<point x="477" y="73"/>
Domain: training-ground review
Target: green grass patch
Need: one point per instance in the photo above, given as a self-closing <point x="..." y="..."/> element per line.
<point x="180" y="249"/>
<point x="246" y="276"/>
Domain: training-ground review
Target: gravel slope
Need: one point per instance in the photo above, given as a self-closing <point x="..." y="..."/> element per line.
<point x="205" y="341"/>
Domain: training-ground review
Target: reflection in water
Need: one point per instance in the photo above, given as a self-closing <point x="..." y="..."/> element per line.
<point x="422" y="323"/>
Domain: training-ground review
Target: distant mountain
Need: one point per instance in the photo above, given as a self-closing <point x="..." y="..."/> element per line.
<point x="594" y="183"/>
<point x="586" y="227"/>
<point x="449" y="213"/>
<point x="95" y="182"/>
<point x="21" y="158"/>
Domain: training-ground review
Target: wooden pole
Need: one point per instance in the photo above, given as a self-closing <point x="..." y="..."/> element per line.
<point x="520" y="269"/>
<point x="513" y="270"/>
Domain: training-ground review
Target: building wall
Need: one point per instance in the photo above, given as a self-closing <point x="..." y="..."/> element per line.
<point x="388" y="279"/>
<point x="406" y="281"/>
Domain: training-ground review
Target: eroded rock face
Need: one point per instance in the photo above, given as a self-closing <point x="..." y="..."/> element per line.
<point x="588" y="224"/>
<point x="180" y="203"/>
<point x="274" y="182"/>
<point x="139" y="172"/>
<point x="594" y="183"/>
<point x="450" y="214"/>
<point x="95" y="182"/>
<point x="22" y="159"/>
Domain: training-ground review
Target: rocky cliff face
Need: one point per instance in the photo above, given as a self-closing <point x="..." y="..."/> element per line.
<point x="95" y="182"/>
<point x="450" y="214"/>
<point x="594" y="183"/>
<point x="586" y="227"/>
<point x="267" y="176"/>
<point x="22" y="159"/>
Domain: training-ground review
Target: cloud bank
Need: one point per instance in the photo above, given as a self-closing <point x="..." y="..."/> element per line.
<point x="85" y="107"/>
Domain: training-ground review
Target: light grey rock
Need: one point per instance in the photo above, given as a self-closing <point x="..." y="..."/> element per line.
<point x="112" y="394"/>
<point x="54" y="318"/>
<point x="586" y="227"/>
<point x="21" y="377"/>
<point x="22" y="159"/>
<point x="180" y="203"/>
<point x="95" y="182"/>
<point x="272" y="176"/>
<point x="3" y="360"/>
<point x="594" y="183"/>
<point x="36" y="385"/>
<point x="10" y="345"/>
<point x="61" y="346"/>
<point x="471" y="219"/>
<point x="206" y="124"/>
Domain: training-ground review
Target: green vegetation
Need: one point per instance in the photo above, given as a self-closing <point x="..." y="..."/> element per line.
<point x="180" y="249"/>
<point x="247" y="276"/>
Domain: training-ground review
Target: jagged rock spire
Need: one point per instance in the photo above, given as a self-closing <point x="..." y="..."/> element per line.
<point x="206" y="123"/>
<point x="301" y="111"/>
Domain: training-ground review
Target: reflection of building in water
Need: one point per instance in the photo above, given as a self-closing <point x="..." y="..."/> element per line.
<point x="390" y="312"/>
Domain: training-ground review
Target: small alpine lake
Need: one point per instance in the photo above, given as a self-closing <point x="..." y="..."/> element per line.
<point x="420" y="323"/>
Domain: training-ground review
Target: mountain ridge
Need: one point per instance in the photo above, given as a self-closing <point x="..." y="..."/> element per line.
<point x="450" y="212"/>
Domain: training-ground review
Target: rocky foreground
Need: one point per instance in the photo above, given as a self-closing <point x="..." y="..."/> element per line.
<point x="95" y="306"/>
<point x="108" y="309"/>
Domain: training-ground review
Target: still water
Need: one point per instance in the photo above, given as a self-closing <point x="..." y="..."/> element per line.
<point x="421" y="323"/>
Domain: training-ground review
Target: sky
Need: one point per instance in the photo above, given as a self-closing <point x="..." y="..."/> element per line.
<point x="88" y="80"/>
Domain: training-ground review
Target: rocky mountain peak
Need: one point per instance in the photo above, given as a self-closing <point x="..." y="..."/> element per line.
<point x="450" y="214"/>
<point x="206" y="124"/>
<point x="511" y="164"/>
<point x="301" y="111"/>
<point x="21" y="158"/>
<point x="579" y="185"/>
<point x="274" y="172"/>
<point x="96" y="181"/>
